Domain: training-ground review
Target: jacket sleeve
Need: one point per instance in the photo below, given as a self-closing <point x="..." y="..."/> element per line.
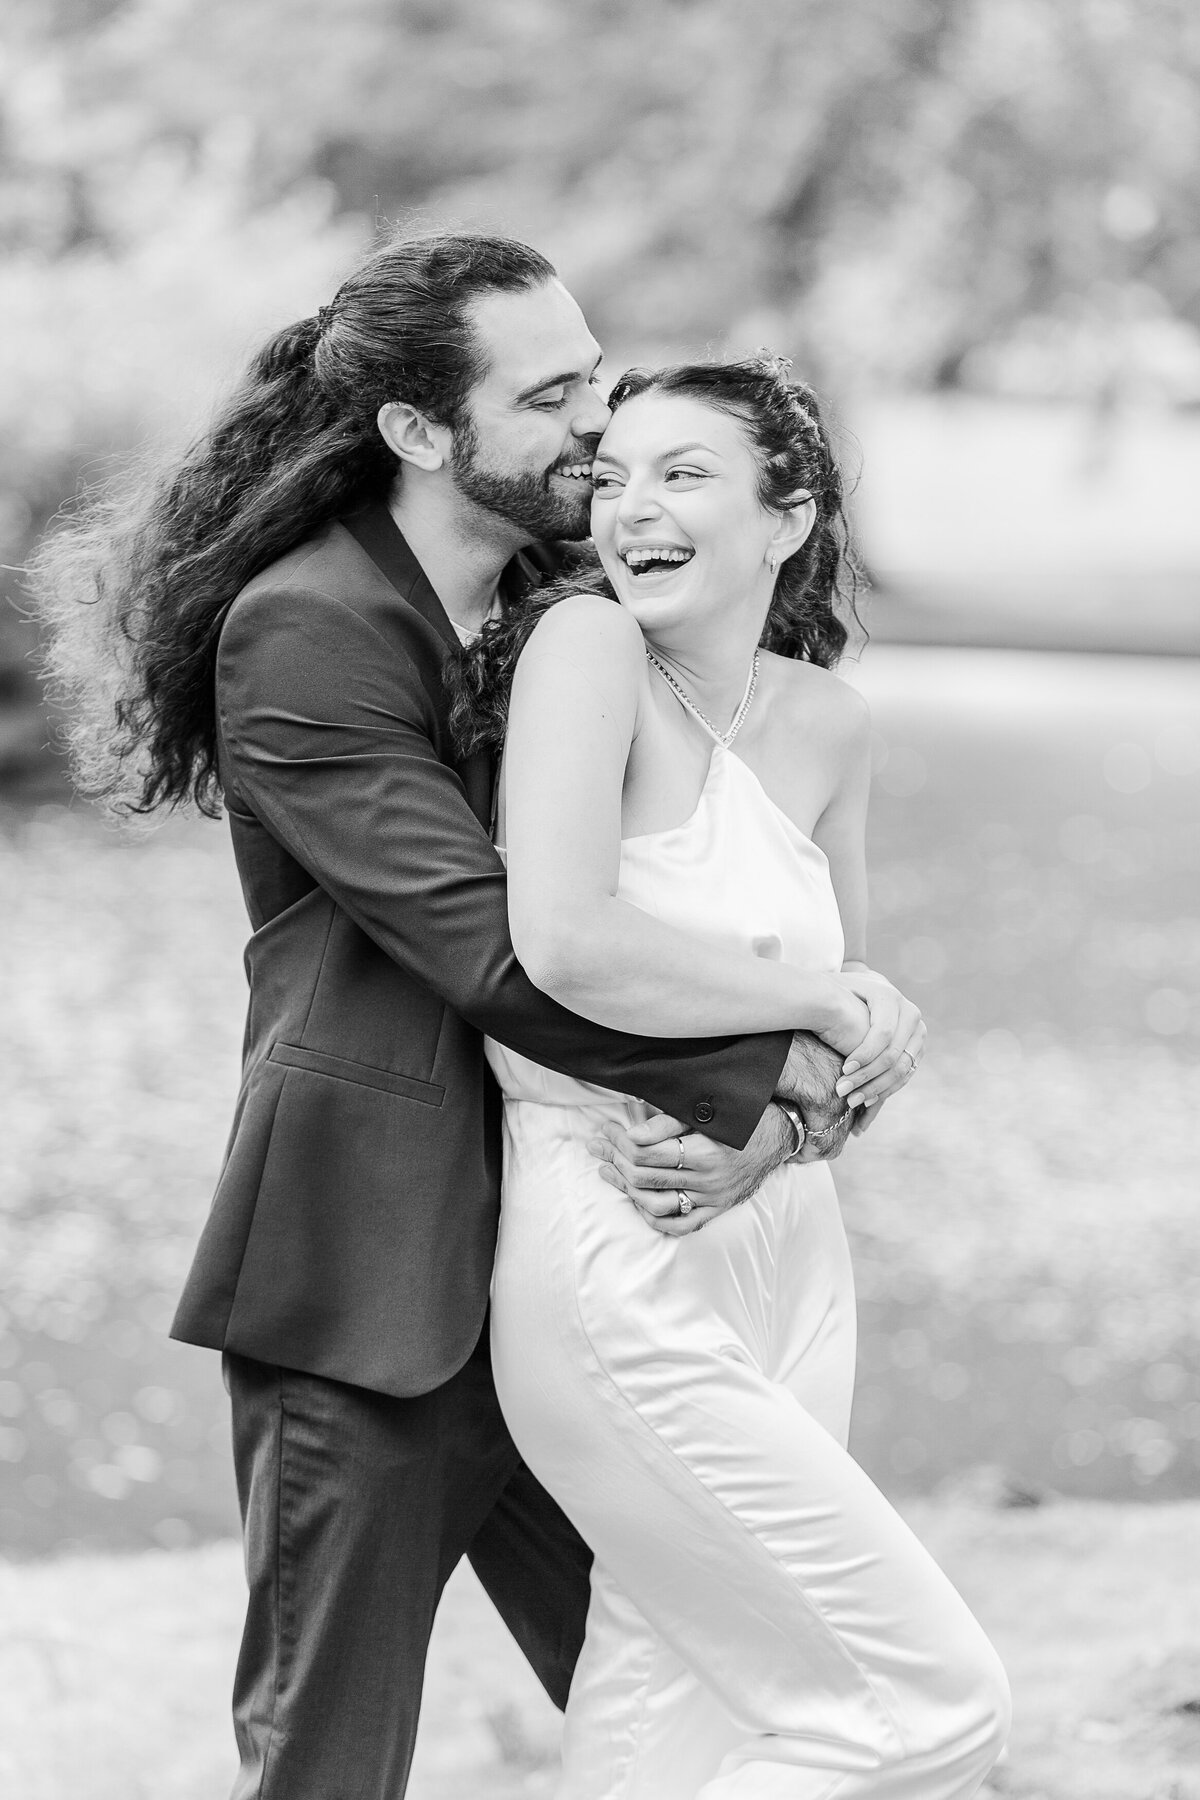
<point x="330" y="735"/>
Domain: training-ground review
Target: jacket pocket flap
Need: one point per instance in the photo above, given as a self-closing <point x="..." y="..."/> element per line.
<point x="341" y="1069"/>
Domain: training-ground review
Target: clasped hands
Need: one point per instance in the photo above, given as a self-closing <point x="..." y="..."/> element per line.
<point x="837" y="1082"/>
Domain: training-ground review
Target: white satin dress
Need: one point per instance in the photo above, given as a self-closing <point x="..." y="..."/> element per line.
<point x="762" y="1623"/>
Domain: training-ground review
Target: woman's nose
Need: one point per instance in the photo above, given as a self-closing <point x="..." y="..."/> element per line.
<point x="639" y="501"/>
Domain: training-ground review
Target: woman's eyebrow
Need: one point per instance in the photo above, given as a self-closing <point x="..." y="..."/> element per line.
<point x="664" y="456"/>
<point x="682" y="450"/>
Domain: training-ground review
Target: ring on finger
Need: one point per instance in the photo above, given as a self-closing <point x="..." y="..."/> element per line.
<point x="679" y="1158"/>
<point x="686" y="1204"/>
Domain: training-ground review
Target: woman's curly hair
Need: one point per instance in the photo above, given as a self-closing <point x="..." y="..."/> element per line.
<point x="815" y="589"/>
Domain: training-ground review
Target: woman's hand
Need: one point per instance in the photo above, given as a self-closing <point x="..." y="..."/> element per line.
<point x="888" y="1055"/>
<point x="842" y="1019"/>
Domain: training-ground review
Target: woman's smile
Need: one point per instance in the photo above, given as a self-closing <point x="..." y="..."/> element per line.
<point x="675" y="506"/>
<point x="653" y="559"/>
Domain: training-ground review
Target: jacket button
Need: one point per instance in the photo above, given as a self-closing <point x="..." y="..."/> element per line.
<point x="702" y="1112"/>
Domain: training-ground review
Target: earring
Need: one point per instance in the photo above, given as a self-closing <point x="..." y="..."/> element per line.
<point x="772" y="562"/>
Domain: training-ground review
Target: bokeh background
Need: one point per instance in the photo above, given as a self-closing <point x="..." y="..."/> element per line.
<point x="975" y="225"/>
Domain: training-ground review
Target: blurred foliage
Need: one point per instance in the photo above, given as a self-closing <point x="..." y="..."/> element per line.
<point x="990" y="193"/>
<point x="896" y="184"/>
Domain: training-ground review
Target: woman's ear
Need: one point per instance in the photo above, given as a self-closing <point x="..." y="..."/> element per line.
<point x="412" y="437"/>
<point x="795" y="523"/>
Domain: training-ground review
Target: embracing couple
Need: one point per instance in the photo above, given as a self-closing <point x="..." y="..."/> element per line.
<point x="353" y="613"/>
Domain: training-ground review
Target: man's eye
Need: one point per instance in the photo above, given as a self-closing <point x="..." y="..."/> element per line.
<point x="550" y="403"/>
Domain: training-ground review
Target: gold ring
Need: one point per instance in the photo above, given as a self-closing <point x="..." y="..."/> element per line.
<point x="686" y="1204"/>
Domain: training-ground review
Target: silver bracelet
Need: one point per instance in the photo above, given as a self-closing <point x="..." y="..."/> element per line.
<point x="825" y="1130"/>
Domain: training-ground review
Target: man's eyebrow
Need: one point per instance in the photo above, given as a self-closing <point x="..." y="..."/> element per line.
<point x="563" y="380"/>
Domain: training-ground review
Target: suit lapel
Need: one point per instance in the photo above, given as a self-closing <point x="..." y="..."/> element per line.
<point x="377" y="532"/>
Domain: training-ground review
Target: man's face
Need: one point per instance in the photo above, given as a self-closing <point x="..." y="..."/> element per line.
<point x="524" y="450"/>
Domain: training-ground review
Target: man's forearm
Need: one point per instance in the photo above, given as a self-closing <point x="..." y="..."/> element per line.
<point x="809" y="1082"/>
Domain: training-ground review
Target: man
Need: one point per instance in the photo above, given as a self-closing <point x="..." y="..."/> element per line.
<point x="362" y="506"/>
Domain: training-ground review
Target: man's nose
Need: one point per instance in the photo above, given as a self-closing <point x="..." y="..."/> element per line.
<point x="592" y="417"/>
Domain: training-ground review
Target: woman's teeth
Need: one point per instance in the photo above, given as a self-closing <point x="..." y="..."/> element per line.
<point x="643" y="559"/>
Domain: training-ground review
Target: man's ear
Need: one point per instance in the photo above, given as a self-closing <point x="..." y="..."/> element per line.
<point x="413" y="438"/>
<point x="795" y="524"/>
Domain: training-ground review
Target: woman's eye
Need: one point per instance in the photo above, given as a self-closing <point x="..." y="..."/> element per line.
<point x="678" y="475"/>
<point x="603" y="483"/>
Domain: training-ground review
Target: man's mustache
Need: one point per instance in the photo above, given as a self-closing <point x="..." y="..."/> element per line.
<point x="581" y="453"/>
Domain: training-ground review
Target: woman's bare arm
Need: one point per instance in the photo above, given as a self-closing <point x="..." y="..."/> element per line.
<point x="573" y="718"/>
<point x="841" y="830"/>
<point x="877" y="1066"/>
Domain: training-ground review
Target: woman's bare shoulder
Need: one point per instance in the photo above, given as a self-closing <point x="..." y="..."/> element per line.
<point x="819" y="699"/>
<point x="589" y="624"/>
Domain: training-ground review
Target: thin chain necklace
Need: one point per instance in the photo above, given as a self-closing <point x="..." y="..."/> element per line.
<point x="723" y="737"/>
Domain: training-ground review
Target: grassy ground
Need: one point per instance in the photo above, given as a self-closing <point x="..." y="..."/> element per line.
<point x="114" y="1672"/>
<point x="1022" y="1225"/>
<point x="1023" y="1232"/>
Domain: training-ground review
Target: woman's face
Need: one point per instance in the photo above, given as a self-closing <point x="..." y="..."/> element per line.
<point x="676" y="516"/>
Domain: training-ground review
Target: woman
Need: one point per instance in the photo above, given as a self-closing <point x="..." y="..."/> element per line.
<point x="683" y="814"/>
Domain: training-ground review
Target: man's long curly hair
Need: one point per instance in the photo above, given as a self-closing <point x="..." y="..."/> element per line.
<point x="815" y="590"/>
<point x="132" y="590"/>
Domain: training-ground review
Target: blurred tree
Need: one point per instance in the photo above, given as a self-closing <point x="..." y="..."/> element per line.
<point x="902" y="181"/>
<point x="991" y="193"/>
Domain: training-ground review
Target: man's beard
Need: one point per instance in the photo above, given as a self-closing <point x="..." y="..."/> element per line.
<point x="528" y="500"/>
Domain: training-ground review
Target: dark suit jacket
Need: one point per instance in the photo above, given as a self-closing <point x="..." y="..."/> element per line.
<point x="354" y="1224"/>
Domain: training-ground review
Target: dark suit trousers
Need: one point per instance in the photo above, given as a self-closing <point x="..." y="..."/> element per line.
<point x="356" y="1507"/>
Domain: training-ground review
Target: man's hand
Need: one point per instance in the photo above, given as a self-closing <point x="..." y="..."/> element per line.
<point x="809" y="1081"/>
<point x="652" y="1164"/>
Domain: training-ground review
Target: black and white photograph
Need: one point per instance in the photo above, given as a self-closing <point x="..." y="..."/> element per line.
<point x="600" y="900"/>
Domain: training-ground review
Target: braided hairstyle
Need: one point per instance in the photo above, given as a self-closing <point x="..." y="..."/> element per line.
<point x="814" y="588"/>
<point x="132" y="592"/>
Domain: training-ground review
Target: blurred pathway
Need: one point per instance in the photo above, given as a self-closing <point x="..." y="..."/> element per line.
<point x="114" y="1672"/>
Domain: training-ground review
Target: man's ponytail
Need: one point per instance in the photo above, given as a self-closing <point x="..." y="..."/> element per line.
<point x="134" y="587"/>
<point x="137" y="586"/>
